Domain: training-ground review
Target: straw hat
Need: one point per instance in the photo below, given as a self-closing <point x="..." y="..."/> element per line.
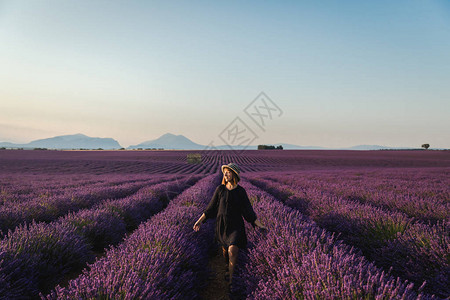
<point x="234" y="168"/>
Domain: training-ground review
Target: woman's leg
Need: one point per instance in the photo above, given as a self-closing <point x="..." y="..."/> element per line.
<point x="225" y="256"/>
<point x="225" y="253"/>
<point x="233" y="252"/>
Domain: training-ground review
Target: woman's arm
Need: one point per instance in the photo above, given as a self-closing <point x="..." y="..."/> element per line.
<point x="210" y="211"/>
<point x="199" y="222"/>
<point x="248" y="213"/>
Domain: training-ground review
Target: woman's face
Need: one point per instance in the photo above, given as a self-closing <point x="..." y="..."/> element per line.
<point x="227" y="174"/>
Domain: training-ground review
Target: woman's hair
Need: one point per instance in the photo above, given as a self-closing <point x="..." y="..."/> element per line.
<point x="234" y="179"/>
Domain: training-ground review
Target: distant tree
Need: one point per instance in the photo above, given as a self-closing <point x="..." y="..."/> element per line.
<point x="426" y="146"/>
<point x="265" y="147"/>
<point x="194" y="158"/>
<point x="270" y="147"/>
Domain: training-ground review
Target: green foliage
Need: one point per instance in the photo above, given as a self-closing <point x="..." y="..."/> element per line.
<point x="269" y="147"/>
<point x="194" y="158"/>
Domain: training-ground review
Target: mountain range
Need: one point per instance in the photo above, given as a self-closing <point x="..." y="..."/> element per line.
<point x="74" y="141"/>
<point x="167" y="141"/>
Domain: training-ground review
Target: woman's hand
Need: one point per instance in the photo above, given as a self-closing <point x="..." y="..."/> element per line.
<point x="199" y="222"/>
<point x="260" y="225"/>
<point x="197" y="225"/>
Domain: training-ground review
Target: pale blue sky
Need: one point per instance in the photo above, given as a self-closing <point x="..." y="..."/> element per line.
<point x="343" y="72"/>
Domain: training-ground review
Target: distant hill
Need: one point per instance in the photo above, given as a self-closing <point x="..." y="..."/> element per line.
<point x="358" y="147"/>
<point x="375" y="147"/>
<point x="285" y="146"/>
<point x="169" y="141"/>
<point x="298" y="147"/>
<point x="294" y="147"/>
<point x="74" y="141"/>
<point x="180" y="142"/>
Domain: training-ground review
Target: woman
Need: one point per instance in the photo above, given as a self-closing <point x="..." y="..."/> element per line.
<point x="228" y="205"/>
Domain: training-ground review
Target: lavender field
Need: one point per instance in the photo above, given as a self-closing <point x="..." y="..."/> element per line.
<point x="118" y="224"/>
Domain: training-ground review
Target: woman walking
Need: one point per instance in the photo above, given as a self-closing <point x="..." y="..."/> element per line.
<point x="228" y="205"/>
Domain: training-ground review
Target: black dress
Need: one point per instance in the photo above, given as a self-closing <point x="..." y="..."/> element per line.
<point x="228" y="207"/>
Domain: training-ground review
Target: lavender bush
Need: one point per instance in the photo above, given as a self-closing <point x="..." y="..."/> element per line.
<point x="164" y="258"/>
<point x="49" y="208"/>
<point x="34" y="254"/>
<point x="424" y="248"/>
<point x="97" y="228"/>
<point x="296" y="259"/>
<point x="399" y="217"/>
<point x="420" y="193"/>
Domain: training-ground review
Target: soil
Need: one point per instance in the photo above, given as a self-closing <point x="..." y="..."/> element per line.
<point x="217" y="287"/>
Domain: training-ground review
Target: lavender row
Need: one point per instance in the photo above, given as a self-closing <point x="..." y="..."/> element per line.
<point x="163" y="259"/>
<point x="37" y="256"/>
<point x="121" y="162"/>
<point x="29" y="188"/>
<point x="49" y="208"/>
<point x="73" y="162"/>
<point x="295" y="259"/>
<point x="106" y="223"/>
<point x="22" y="187"/>
<point x="415" y="251"/>
<point x="420" y="193"/>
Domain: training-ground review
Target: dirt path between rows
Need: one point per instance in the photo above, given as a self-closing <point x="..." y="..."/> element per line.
<point x="217" y="287"/>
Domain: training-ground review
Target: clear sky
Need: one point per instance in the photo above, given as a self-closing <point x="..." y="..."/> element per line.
<point x="344" y="73"/>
